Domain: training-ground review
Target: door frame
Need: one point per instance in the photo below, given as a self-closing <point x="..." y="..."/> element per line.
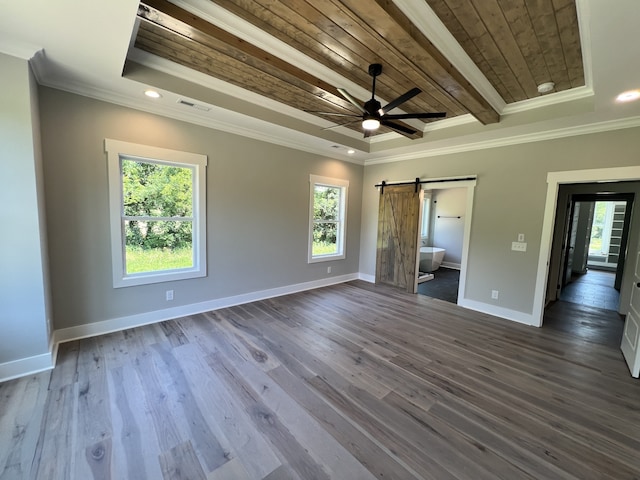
<point x="470" y="185"/>
<point x="629" y="199"/>
<point x="554" y="180"/>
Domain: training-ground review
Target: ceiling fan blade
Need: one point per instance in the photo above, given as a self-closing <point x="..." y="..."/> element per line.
<point x="341" y="124"/>
<point x="348" y="96"/>
<point x="400" y="128"/>
<point x="400" y="100"/>
<point x="401" y="116"/>
<point x="334" y="114"/>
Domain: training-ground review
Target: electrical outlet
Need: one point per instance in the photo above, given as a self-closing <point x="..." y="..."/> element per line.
<point x="519" y="246"/>
<point x="328" y="269"/>
<point x="494" y="294"/>
<point x="169" y="295"/>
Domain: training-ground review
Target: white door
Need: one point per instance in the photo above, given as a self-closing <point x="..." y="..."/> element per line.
<point x="631" y="336"/>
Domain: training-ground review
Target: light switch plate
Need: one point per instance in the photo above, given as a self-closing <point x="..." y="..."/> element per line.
<point x="521" y="237"/>
<point x="519" y="246"/>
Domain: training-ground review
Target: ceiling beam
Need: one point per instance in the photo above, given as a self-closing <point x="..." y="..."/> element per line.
<point x="192" y="27"/>
<point x="387" y="17"/>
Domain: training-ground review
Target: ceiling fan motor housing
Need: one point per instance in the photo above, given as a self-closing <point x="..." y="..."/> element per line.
<point x="372" y="107"/>
<point x="375" y="69"/>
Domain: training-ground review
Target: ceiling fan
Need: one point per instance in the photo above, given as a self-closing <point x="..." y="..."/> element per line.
<point x="373" y="114"/>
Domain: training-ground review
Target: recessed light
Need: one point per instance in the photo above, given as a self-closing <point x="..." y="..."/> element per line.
<point x="152" y="94"/>
<point x="351" y="151"/>
<point x="546" y="87"/>
<point x="628" y="96"/>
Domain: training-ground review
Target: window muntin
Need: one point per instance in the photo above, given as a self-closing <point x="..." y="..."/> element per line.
<point x="157" y="211"/>
<point x="328" y="200"/>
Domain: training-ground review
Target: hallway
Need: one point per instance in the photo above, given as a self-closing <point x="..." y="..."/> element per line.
<point x="595" y="289"/>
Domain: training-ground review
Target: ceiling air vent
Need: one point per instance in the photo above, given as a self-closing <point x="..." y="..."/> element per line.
<point x="193" y="105"/>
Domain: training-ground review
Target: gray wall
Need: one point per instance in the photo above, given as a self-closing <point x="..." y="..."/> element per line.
<point x="23" y="282"/>
<point x="509" y="199"/>
<point x="257" y="218"/>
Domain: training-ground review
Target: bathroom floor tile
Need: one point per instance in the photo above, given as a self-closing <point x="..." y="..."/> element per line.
<point x="443" y="286"/>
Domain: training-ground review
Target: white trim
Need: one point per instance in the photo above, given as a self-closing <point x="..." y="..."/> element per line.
<point x="26" y="366"/>
<point x="18" y="49"/>
<point x="554" y="179"/>
<point x="46" y="361"/>
<point x="138" y="320"/>
<point x="234" y="123"/>
<point x="365" y="277"/>
<point x="423" y="17"/>
<point x="505" y="141"/>
<point x="452" y="265"/>
<point x="341" y="240"/>
<point x="584" y="21"/>
<point x="506" y="313"/>
<point x="116" y="151"/>
<point x="466" y="239"/>
<point x="571" y="95"/>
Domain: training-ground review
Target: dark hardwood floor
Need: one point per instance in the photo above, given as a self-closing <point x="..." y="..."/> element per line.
<point x="594" y="288"/>
<point x="353" y="381"/>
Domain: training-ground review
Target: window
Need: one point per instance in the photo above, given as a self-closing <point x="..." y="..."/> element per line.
<point x="328" y="218"/>
<point x="157" y="213"/>
<point x="425" y="228"/>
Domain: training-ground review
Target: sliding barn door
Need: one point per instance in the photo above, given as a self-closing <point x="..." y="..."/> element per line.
<point x="398" y="232"/>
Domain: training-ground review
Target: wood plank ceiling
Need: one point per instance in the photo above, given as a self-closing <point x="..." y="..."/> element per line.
<point x="516" y="44"/>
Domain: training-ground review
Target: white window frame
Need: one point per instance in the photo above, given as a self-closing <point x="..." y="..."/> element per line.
<point x="425" y="228"/>
<point x="343" y="185"/>
<point x="117" y="151"/>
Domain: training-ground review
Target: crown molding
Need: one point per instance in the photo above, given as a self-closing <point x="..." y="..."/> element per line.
<point x="573" y="94"/>
<point x="18" y="49"/>
<point x="252" y="128"/>
<point x="553" y="134"/>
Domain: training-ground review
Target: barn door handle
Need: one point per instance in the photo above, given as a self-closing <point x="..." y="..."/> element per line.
<point x="638" y="284"/>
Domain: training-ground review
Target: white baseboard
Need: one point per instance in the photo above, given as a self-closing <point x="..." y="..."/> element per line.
<point x="38" y="363"/>
<point x="26" y="366"/>
<point x="454" y="266"/>
<point x="367" y="278"/>
<point x="138" y="320"/>
<point x="506" y="313"/>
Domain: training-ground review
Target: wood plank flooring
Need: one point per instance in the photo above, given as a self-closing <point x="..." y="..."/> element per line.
<point x="353" y="381"/>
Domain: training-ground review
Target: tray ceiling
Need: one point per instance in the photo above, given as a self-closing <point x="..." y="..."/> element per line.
<point x="514" y="46"/>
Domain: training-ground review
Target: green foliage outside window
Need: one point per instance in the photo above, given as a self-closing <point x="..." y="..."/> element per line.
<point x="163" y="196"/>
<point x="597" y="228"/>
<point x="326" y="214"/>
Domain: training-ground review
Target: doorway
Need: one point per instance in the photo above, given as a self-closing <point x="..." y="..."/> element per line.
<point x="587" y="262"/>
<point x="586" y="274"/>
<point x="441" y="241"/>
<point x="593" y="243"/>
<point x="398" y="231"/>
<point x="548" y="264"/>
